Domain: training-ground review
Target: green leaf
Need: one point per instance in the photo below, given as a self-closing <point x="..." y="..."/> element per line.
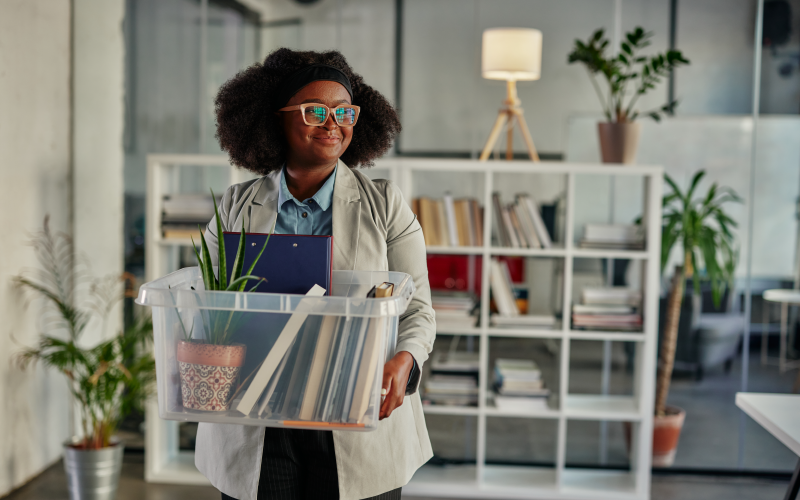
<point x="207" y="280"/>
<point x="238" y="262"/>
<point x="241" y="282"/>
<point x="222" y="261"/>
<point x="208" y="268"/>
<point x="626" y="48"/>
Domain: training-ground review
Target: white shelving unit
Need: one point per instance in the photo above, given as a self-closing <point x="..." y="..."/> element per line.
<point x="164" y="463"/>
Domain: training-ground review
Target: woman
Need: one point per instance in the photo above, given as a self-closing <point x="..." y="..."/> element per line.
<point x="303" y="120"/>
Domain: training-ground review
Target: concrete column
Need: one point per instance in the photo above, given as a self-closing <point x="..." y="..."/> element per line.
<point x="98" y="156"/>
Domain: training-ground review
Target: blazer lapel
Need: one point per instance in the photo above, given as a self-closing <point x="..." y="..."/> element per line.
<point x="346" y="216"/>
<point x="262" y="209"/>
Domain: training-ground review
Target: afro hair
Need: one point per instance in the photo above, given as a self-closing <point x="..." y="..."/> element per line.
<point x="249" y="130"/>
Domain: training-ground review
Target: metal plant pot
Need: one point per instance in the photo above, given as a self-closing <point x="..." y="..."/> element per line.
<point x="93" y="474"/>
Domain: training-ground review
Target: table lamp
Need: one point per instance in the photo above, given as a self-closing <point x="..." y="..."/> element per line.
<point x="511" y="54"/>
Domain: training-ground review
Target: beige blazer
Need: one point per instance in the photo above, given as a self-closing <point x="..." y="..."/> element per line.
<point x="373" y="229"/>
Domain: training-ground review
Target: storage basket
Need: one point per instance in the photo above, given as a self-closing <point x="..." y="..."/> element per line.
<point x="289" y="360"/>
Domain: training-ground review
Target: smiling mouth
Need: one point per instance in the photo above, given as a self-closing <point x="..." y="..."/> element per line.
<point x="328" y="139"/>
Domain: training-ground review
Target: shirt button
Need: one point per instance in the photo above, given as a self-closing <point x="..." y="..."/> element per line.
<point x="305" y="214"/>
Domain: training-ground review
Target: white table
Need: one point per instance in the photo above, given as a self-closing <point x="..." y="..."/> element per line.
<point x="785" y="298"/>
<point x="779" y="414"/>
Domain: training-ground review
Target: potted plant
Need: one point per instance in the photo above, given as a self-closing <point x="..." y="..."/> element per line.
<point x="704" y="230"/>
<point x="210" y="366"/>
<point x="106" y="381"/>
<point x="628" y="75"/>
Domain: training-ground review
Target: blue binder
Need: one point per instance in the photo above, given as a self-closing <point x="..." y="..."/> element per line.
<point x="291" y="263"/>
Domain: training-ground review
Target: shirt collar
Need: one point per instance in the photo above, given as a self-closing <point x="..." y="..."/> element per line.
<point x="323" y="198"/>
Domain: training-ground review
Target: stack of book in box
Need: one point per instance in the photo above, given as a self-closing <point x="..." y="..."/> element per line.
<point x="520" y="225"/>
<point x="613" y="237"/>
<point x="508" y="314"/>
<point x="454" y="310"/>
<point x="453" y="380"/>
<point x="182" y="213"/>
<point x="449" y="222"/>
<point x="519" y="385"/>
<point x="614" y="308"/>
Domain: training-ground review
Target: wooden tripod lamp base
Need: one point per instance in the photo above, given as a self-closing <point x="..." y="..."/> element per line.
<point x="508" y="116"/>
<point x="511" y="54"/>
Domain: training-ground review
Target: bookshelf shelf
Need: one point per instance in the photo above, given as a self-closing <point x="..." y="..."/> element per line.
<point x="599" y="407"/>
<point x="603" y="335"/>
<point x="530" y="333"/>
<point x="175" y="242"/>
<point x="590" y="253"/>
<point x="437" y="250"/>
<point x="478" y="180"/>
<point x="529" y="252"/>
<point x="451" y="410"/>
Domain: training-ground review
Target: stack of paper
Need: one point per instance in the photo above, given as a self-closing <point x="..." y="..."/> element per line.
<point x="454" y="310"/>
<point x="451" y="390"/>
<point x="613" y="237"/>
<point x="613" y="308"/>
<point x="519" y="385"/>
<point x="182" y="213"/>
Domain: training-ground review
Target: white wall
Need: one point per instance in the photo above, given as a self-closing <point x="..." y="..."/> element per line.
<point x="35" y="175"/>
<point x="98" y="159"/>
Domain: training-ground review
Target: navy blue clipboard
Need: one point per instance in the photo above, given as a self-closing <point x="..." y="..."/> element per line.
<point x="291" y="263"/>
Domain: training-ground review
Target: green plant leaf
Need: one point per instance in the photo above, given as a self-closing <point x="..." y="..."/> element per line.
<point x="222" y="261"/>
<point x="207" y="281"/>
<point x="238" y="262"/>
<point x="241" y="282"/>
<point x="208" y="268"/>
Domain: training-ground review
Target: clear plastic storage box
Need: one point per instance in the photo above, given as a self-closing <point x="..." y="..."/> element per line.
<point x="274" y="359"/>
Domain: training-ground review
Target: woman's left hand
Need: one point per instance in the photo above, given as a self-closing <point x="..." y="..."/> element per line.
<point x="395" y="379"/>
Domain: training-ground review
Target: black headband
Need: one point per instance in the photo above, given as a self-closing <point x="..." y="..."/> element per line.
<point x="305" y="75"/>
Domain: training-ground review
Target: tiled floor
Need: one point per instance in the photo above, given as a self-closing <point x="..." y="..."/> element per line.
<point x="51" y="485"/>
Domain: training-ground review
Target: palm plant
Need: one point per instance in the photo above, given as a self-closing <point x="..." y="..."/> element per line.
<point x="627" y="67"/>
<point x="220" y="326"/>
<point x="109" y="380"/>
<point x="703" y="228"/>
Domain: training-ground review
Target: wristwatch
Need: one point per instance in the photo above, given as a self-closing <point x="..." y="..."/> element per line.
<point x="413" y="378"/>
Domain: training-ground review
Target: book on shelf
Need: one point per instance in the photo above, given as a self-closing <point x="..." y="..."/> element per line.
<point x="609" y="308"/>
<point x="454" y="310"/>
<point x="613" y="237"/>
<point x="453" y="390"/>
<point x="501" y="288"/>
<point x="449" y="222"/>
<point x="519" y="385"/>
<point x="455" y="362"/>
<point x="181" y="214"/>
<point x="520" y="224"/>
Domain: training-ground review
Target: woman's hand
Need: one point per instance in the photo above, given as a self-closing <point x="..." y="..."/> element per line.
<point x="395" y="379"/>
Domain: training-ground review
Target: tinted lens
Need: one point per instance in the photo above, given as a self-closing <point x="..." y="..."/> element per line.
<point x="345" y="115"/>
<point x="316" y="115"/>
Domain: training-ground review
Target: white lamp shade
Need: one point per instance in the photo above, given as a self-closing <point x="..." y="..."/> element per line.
<point x="511" y="54"/>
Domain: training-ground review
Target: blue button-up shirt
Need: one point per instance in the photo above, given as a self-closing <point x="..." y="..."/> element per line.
<point x="311" y="216"/>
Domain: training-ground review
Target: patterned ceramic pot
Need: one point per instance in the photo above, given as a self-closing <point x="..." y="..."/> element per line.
<point x="209" y="374"/>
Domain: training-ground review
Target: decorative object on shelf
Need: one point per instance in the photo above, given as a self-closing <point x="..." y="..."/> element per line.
<point x="511" y="54"/>
<point x="708" y="247"/>
<point x="450" y="222"/>
<point x="619" y="134"/>
<point x="209" y="366"/>
<point x="108" y="381"/>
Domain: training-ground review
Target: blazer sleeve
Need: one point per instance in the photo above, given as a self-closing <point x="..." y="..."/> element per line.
<point x="405" y="250"/>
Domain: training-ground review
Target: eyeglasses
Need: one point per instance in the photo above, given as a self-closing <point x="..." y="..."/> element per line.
<point x="316" y="115"/>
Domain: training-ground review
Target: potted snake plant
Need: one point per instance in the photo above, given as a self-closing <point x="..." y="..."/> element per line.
<point x="705" y="232"/>
<point x="106" y="381"/>
<point x="210" y="360"/>
<point x="628" y="76"/>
